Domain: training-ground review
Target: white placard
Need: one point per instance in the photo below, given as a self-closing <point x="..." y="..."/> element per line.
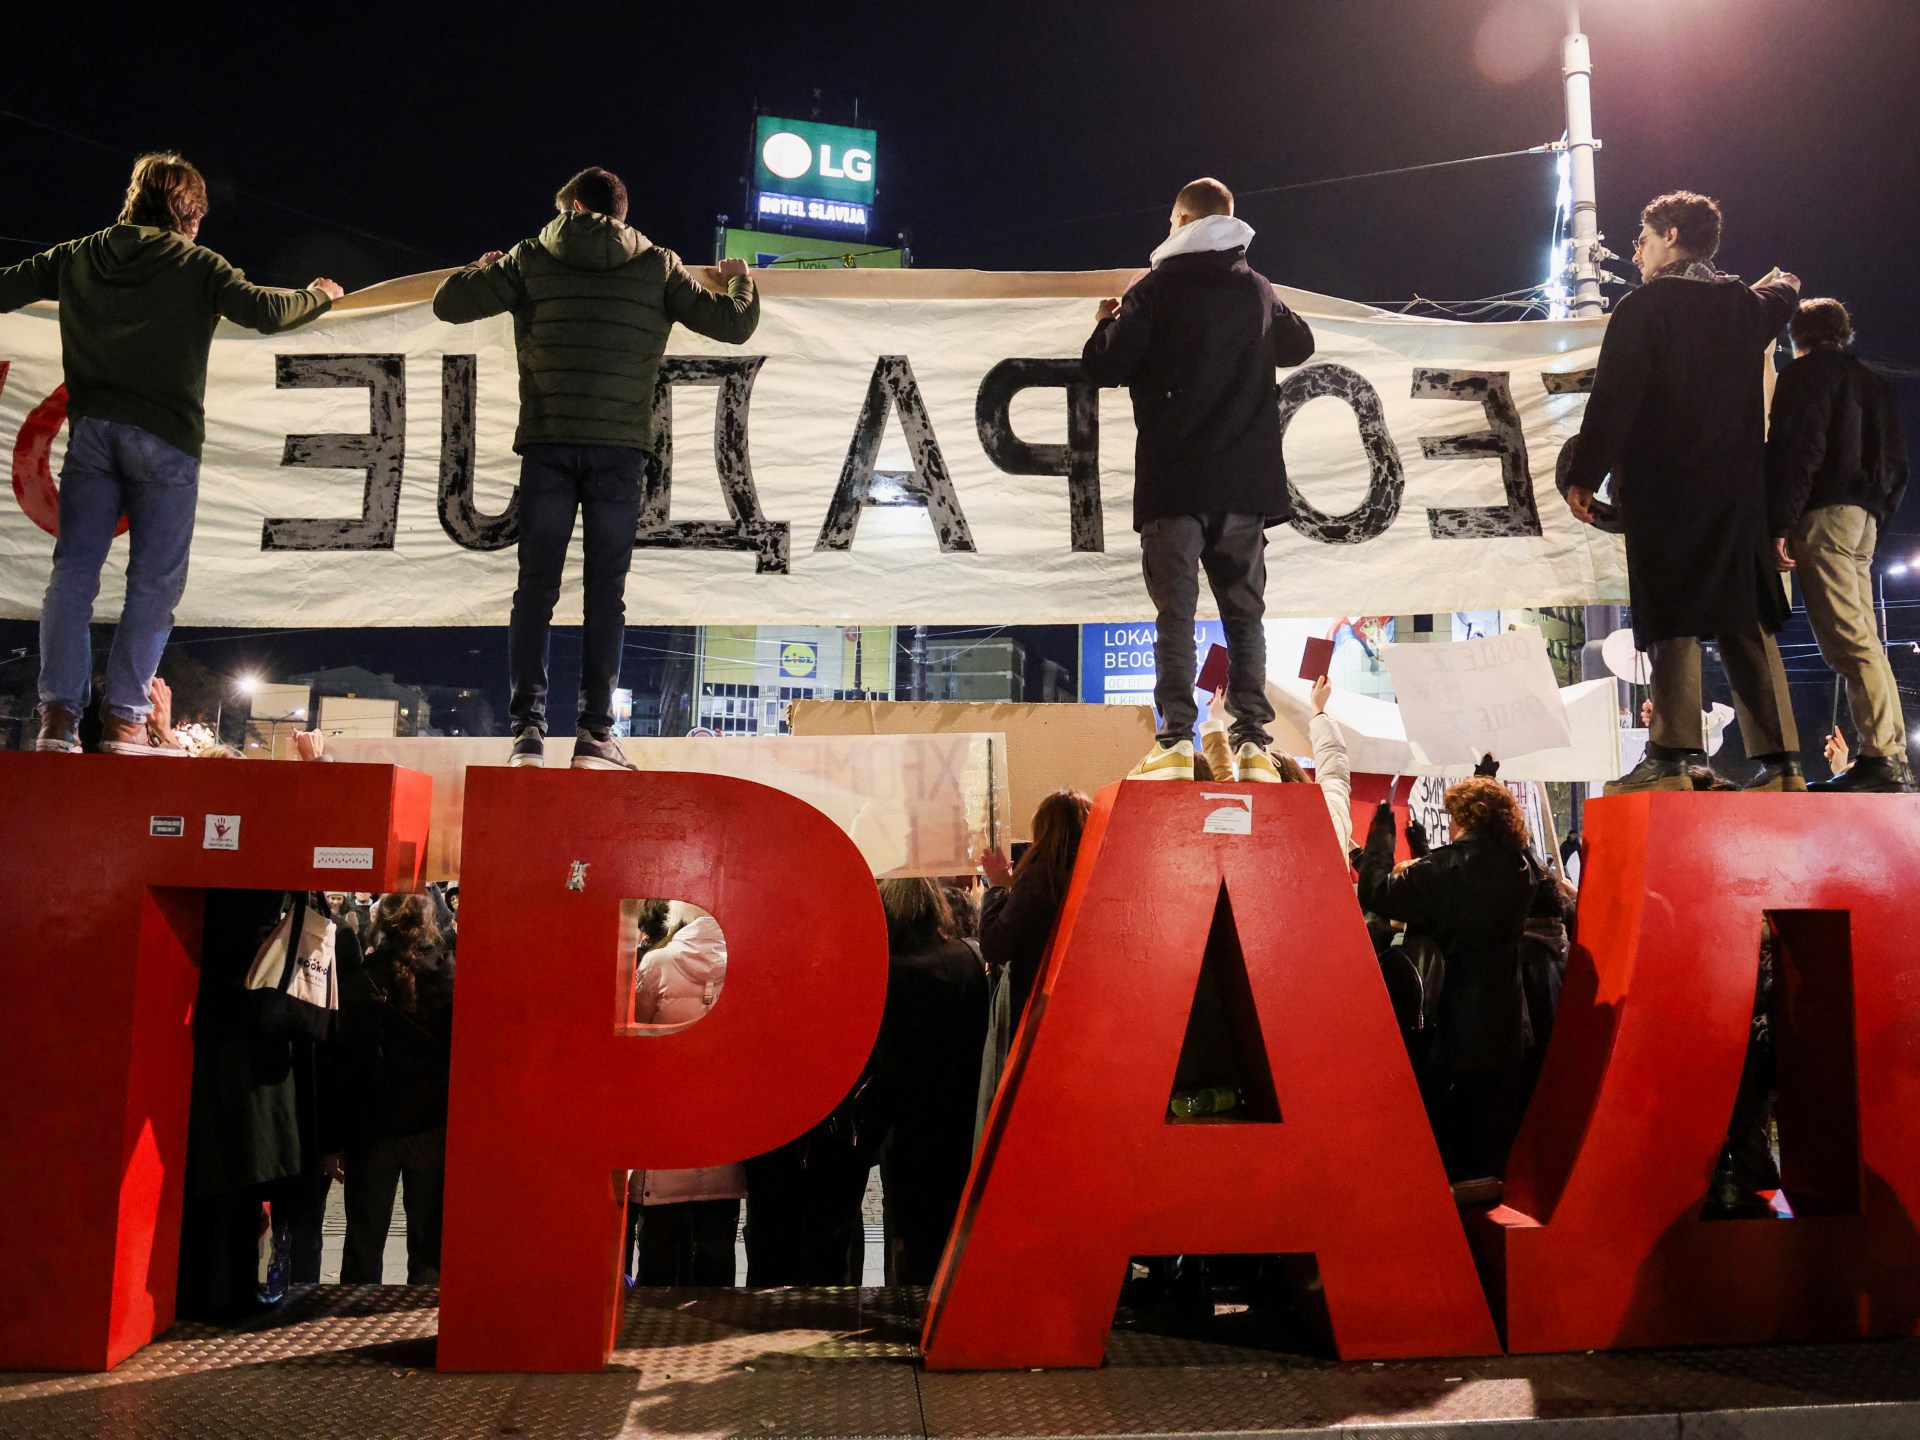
<point x="1494" y="696"/>
<point x="222" y="833"/>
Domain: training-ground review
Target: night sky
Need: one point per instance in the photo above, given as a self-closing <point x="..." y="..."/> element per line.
<point x="415" y="137"/>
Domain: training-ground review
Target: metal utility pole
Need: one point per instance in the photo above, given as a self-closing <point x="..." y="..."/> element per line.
<point x="1576" y="71"/>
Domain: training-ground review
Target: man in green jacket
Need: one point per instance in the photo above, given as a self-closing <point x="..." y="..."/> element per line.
<point x="138" y="305"/>
<point x="592" y="301"/>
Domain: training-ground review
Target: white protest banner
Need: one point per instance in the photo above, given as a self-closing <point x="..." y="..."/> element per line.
<point x="890" y="447"/>
<point x="1494" y="696"/>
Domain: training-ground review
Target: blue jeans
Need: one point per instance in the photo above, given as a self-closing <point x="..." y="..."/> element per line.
<point x="602" y="483"/>
<point x="113" y="469"/>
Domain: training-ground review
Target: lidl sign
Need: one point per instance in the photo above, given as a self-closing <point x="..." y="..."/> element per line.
<point x="804" y="160"/>
<point x="799" y="660"/>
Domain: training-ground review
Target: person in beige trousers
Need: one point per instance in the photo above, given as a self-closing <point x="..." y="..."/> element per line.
<point x="1836" y="469"/>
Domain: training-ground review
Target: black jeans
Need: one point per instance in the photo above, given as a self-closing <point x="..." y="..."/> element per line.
<point x="373" y="1173"/>
<point x="1232" y="549"/>
<point x="602" y="483"/>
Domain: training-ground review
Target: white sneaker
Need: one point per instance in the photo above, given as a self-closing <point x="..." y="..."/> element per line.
<point x="1251" y="763"/>
<point x="1165" y="763"/>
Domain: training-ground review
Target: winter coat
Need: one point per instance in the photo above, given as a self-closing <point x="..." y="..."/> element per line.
<point x="677" y="984"/>
<point x="1017" y="922"/>
<point x="926" y="1063"/>
<point x="1834" y="439"/>
<point x="1677" y="417"/>
<point x="1473" y="898"/>
<point x="138" y="306"/>
<point x="1196" y="344"/>
<point x="593" y="301"/>
<point x="395" y="1062"/>
<point x="243" y="1128"/>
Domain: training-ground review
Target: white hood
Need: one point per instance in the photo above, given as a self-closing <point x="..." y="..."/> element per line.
<point x="1209" y="232"/>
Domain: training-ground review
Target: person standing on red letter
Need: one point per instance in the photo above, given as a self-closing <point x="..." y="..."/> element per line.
<point x="1196" y="342"/>
<point x="1677" y="418"/>
<point x="592" y="301"/>
<point x="138" y="303"/>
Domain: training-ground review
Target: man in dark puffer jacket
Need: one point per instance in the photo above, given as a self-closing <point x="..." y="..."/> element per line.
<point x="593" y="301"/>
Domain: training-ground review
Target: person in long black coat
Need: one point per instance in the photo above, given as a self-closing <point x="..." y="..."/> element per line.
<point x="926" y="1075"/>
<point x="1473" y="898"/>
<point x="1677" y="417"/>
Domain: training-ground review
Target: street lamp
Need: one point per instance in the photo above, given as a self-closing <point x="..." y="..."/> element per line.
<point x="245" y="685"/>
<point x="1896" y="569"/>
<point x="1576" y="72"/>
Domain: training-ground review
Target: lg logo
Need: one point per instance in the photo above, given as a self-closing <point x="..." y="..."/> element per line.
<point x="790" y="156"/>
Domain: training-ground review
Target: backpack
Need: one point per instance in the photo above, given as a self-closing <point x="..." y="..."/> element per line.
<point x="293" y="990"/>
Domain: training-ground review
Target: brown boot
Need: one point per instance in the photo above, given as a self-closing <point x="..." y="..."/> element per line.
<point x="59" y="731"/>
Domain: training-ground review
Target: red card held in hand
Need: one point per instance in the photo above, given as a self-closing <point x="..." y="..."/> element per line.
<point x="1213" y="674"/>
<point x="1316" y="659"/>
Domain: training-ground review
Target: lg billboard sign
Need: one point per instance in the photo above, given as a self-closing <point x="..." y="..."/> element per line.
<point x="791" y="157"/>
<point x="818" y="174"/>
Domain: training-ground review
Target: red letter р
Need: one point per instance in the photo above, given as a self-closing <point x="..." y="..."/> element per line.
<point x="1080" y="1167"/>
<point x="553" y="1101"/>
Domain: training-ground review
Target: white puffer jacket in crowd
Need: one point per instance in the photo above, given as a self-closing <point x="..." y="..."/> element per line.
<point x="677" y="984"/>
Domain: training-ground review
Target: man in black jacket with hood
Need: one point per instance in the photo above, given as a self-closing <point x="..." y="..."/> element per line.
<point x="1836" y="469"/>
<point x="1196" y="341"/>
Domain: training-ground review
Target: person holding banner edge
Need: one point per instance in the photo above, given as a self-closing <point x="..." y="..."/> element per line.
<point x="1677" y="418"/>
<point x="138" y="301"/>
<point x="593" y="301"/>
<point x="1196" y="341"/>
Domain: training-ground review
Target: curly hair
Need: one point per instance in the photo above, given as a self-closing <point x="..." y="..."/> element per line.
<point x="1696" y="217"/>
<point x="1481" y="805"/>
<point x="405" y="940"/>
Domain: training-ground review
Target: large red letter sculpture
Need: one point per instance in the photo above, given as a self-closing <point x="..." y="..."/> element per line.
<point x="106" y="859"/>
<point x="554" y="1101"/>
<point x="1601" y="1243"/>
<point x="1080" y="1168"/>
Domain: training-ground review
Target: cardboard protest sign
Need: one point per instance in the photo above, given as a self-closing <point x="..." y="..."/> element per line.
<point x="1495" y="696"/>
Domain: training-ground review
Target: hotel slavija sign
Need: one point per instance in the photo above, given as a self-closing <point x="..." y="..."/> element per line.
<point x="806" y="171"/>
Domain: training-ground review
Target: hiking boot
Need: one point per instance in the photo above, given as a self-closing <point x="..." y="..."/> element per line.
<point x="129" y="737"/>
<point x="1869" y="775"/>
<point x="1251" y="763"/>
<point x="1165" y="762"/>
<point x="59" y="731"/>
<point x="529" y="748"/>
<point x="599" y="752"/>
<point x="1776" y="773"/>
<point x="1659" y="769"/>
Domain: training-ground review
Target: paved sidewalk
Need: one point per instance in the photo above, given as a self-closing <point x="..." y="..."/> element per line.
<point x="356" y="1361"/>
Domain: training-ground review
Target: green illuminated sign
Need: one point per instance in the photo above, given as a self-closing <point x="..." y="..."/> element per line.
<point x="761" y="248"/>
<point x="810" y="161"/>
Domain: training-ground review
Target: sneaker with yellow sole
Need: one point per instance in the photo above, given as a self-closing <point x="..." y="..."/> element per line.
<point x="1251" y="763"/>
<point x="1165" y="762"/>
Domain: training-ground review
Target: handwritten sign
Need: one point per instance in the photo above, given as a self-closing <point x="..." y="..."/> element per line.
<point x="1495" y="696"/>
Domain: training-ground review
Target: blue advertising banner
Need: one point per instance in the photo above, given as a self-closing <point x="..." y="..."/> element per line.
<point x="1116" y="661"/>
